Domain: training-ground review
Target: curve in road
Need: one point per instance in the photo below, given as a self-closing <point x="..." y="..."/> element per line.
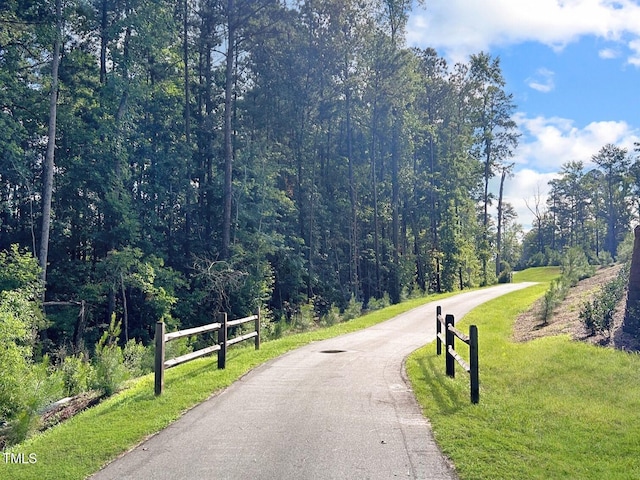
<point x="337" y="409"/>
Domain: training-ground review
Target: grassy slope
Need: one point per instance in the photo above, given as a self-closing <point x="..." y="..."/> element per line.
<point x="79" y="447"/>
<point x="550" y="408"/>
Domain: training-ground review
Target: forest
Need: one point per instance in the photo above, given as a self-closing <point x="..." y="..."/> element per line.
<point x="170" y="159"/>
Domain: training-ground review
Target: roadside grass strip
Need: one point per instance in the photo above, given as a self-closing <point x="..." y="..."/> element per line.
<point x="82" y="445"/>
<point x="551" y="408"/>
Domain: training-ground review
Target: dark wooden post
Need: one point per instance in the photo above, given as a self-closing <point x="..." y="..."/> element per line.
<point x="159" y="360"/>
<point x="450" y="343"/>
<point x="473" y="364"/>
<point x="631" y="322"/>
<point x="438" y="330"/>
<point x="257" y="340"/>
<point x="222" y="341"/>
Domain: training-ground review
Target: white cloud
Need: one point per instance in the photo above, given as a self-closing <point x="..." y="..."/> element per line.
<point x="543" y="81"/>
<point x="460" y="27"/>
<point x="608" y="53"/>
<point x="634" y="59"/>
<point x="548" y="143"/>
<point x="526" y="189"/>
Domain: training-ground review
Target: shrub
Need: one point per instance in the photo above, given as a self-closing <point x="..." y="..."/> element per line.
<point x="40" y="386"/>
<point x="305" y="316"/>
<point x="597" y="315"/>
<point x="575" y="266"/>
<point x="109" y="361"/>
<point x="77" y="375"/>
<point x="332" y="317"/>
<point x="138" y="359"/>
<point x="378" y="303"/>
<point x="353" y="309"/>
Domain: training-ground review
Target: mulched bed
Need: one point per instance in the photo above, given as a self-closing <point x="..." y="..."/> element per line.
<point x="566" y="317"/>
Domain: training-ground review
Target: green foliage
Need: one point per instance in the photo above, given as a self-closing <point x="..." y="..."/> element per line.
<point x="176" y="348"/>
<point x="25" y="387"/>
<point x="110" y="371"/>
<point x="506" y="274"/>
<point x="378" y="303"/>
<point x="331" y="317"/>
<point x="597" y="314"/>
<point x="304" y="317"/>
<point x="552" y="298"/>
<point x="138" y="359"/>
<point x="575" y="266"/>
<point x="526" y="425"/>
<point x="77" y="374"/>
<point x="352" y="310"/>
<point x="20" y="271"/>
<point x="38" y="387"/>
<point x="625" y="249"/>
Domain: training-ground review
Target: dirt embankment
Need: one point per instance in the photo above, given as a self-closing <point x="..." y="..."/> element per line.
<point x="566" y="317"/>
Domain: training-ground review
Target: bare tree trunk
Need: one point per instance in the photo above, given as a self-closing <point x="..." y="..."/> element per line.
<point x="125" y="310"/>
<point x="506" y="170"/>
<point x="47" y="191"/>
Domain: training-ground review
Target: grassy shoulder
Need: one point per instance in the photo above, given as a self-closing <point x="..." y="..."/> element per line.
<point x="82" y="445"/>
<point x="549" y="408"/>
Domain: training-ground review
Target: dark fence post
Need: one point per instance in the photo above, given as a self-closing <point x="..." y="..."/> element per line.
<point x="159" y="360"/>
<point x="450" y="343"/>
<point x="438" y="330"/>
<point x="474" y="372"/>
<point x="222" y="341"/>
<point x="258" y="330"/>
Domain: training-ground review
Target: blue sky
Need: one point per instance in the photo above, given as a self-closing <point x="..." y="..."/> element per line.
<point x="573" y="67"/>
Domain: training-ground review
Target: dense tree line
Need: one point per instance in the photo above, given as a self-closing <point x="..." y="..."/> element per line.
<point x="593" y="209"/>
<point x="170" y="158"/>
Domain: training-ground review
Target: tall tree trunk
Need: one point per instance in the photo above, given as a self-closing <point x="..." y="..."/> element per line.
<point x="187" y="126"/>
<point x="228" y="132"/>
<point x="395" y="208"/>
<point x="505" y="172"/>
<point x="104" y="24"/>
<point x="374" y="183"/>
<point x="47" y="191"/>
<point x="355" y="281"/>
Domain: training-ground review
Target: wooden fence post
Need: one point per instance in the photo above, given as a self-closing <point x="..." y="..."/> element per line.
<point x="222" y="341"/>
<point x="474" y="372"/>
<point x="450" y="343"/>
<point x="258" y="330"/>
<point x="438" y="330"/>
<point x="159" y="360"/>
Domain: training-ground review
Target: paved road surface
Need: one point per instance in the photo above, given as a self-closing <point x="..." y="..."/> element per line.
<point x="310" y="414"/>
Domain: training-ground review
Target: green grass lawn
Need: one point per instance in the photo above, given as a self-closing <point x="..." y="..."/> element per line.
<point x="549" y="409"/>
<point x="81" y="446"/>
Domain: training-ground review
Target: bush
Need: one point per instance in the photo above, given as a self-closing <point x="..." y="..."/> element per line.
<point x="353" y="309"/>
<point x="597" y="315"/>
<point x="305" y="316"/>
<point x="77" y="375"/>
<point x="506" y="276"/>
<point x="378" y="303"/>
<point x="39" y="387"/>
<point x="552" y="298"/>
<point x="138" y="359"/>
<point x="575" y="266"/>
<point x="109" y="361"/>
<point x="332" y="317"/>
